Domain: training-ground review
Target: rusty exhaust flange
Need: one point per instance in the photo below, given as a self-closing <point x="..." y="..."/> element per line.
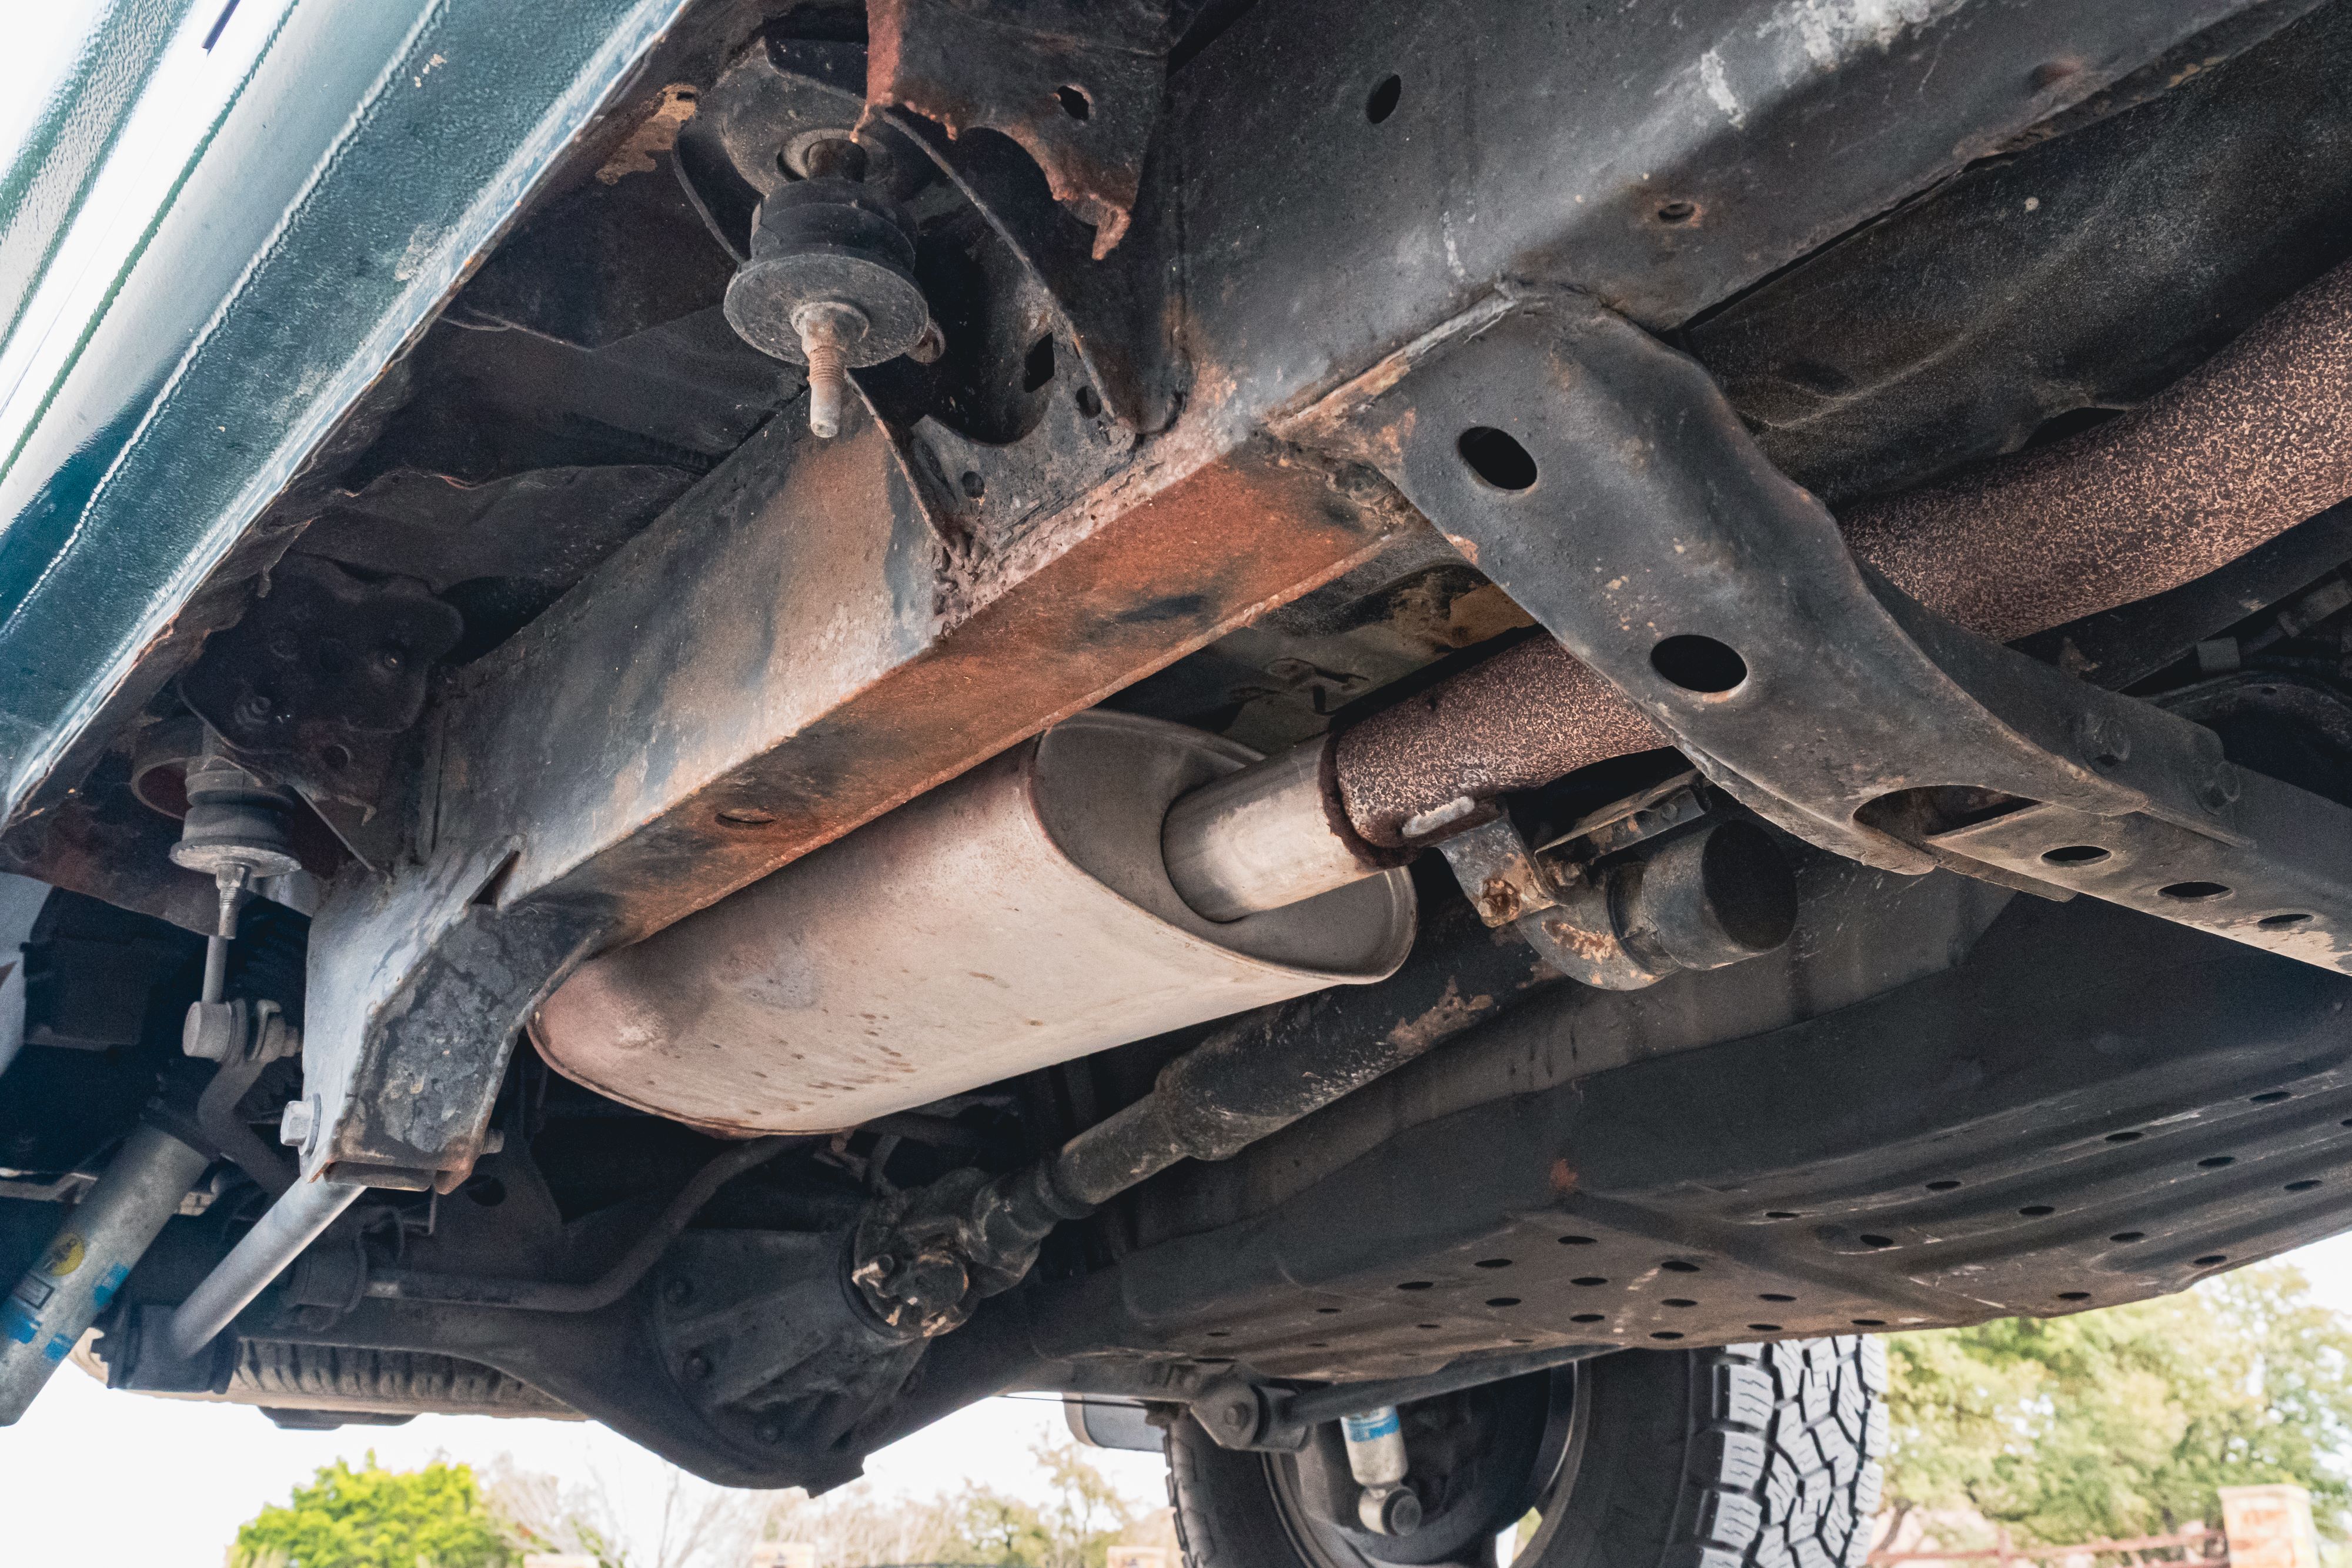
<point x="1602" y="480"/>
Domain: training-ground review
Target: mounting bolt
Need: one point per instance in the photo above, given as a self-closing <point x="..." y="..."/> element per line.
<point x="1498" y="902"/>
<point x="2222" y="791"/>
<point x="827" y="328"/>
<point x="297" y="1122"/>
<point x="2106" y="740"/>
<point x="830" y="279"/>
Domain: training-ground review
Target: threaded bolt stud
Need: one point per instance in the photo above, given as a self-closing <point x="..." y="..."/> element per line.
<point x="827" y="328"/>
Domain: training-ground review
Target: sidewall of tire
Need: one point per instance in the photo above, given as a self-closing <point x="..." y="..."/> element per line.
<point x="1744" y="1457"/>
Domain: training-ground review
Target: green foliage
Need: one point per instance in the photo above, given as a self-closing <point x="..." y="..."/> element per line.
<point x="376" y="1517"/>
<point x="992" y="1528"/>
<point x="1082" y="1516"/>
<point x="2123" y="1422"/>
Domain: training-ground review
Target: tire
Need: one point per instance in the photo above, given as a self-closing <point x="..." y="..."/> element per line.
<point x="1761" y="1456"/>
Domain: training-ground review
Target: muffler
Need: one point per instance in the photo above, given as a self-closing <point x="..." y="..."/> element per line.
<point x="1017" y="916"/>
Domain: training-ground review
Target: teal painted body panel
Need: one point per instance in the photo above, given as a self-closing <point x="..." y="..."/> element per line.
<point x="294" y="205"/>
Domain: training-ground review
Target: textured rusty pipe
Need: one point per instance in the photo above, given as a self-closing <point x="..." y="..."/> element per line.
<point x="2232" y="454"/>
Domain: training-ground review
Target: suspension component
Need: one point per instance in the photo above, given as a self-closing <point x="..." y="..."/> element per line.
<point x="1376" y="1457"/>
<point x="924" y="1260"/>
<point x="86" y="1262"/>
<point x="238" y="832"/>
<point x="831" y="281"/>
<point x="292" y="1223"/>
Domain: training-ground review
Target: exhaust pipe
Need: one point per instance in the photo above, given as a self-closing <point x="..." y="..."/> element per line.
<point x="2232" y="455"/>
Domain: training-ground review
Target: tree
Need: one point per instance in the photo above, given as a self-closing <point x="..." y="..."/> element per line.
<point x="1080" y="1515"/>
<point x="2124" y="1421"/>
<point x="376" y="1517"/>
<point x="698" y="1524"/>
<point x="1084" y="1513"/>
<point x="538" y="1512"/>
<point x="1003" y="1531"/>
<point x="856" y="1525"/>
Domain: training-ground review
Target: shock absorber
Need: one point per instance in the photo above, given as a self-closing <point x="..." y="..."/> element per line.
<point x="237" y="832"/>
<point x="87" y="1260"/>
<point x="1376" y="1457"/>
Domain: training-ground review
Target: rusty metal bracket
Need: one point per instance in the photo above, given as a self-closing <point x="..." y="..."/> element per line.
<point x="1079" y="86"/>
<point x="1602" y="480"/>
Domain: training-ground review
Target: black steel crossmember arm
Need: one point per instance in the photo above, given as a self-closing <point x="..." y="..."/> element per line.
<point x="1599" y="477"/>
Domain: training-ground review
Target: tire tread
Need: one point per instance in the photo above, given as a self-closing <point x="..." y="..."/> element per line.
<point x="1758" y="1456"/>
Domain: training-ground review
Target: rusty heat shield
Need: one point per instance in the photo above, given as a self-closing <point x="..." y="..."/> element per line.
<point x="1018" y="916"/>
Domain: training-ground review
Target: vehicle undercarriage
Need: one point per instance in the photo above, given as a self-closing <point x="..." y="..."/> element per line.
<point x="737" y="712"/>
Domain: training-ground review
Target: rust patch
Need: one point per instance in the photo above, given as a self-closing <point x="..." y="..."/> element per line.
<point x="1592" y="946"/>
<point x="1330" y="420"/>
<point x="1442" y="1020"/>
<point x="1563" y="1176"/>
<point x="1077" y="85"/>
<point x="657" y="132"/>
<point x="2232" y="454"/>
<point x="816" y="681"/>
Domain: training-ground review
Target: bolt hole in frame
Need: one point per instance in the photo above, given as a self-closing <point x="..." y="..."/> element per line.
<point x="1496" y="455"/>
<point x="2179" y="808"/>
<point x="1038" y="365"/>
<point x="1381" y="101"/>
<point x="1700" y="664"/>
